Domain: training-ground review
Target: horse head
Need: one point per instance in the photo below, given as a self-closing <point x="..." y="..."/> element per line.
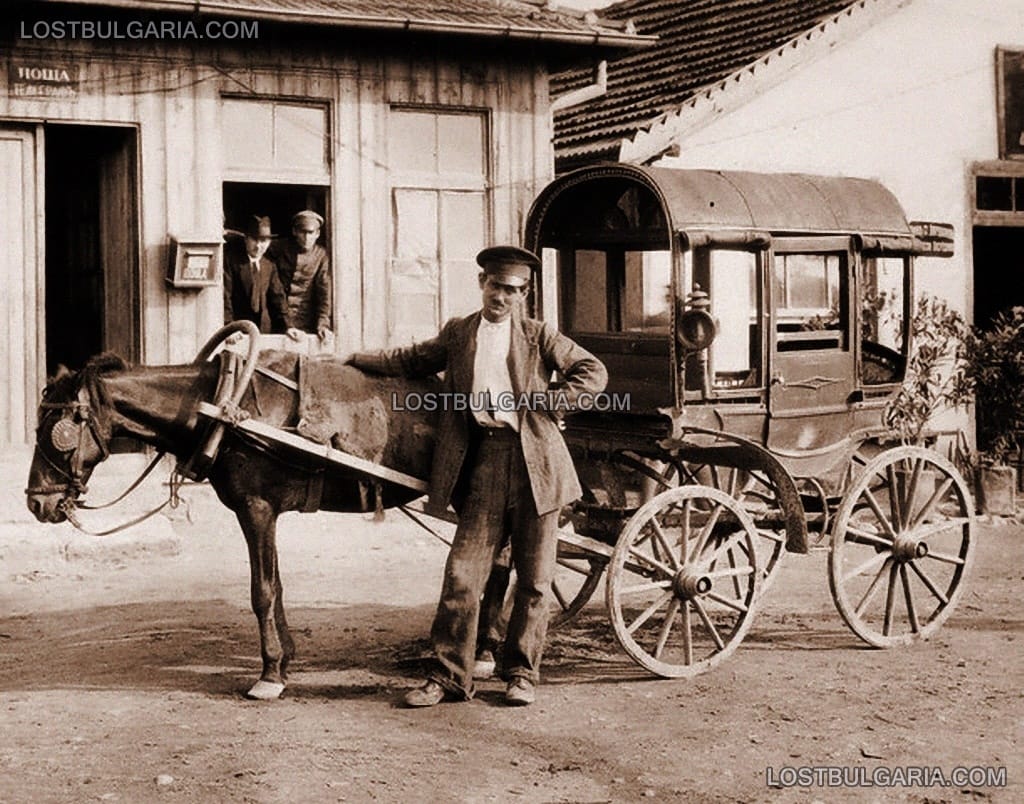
<point x="72" y="437"/>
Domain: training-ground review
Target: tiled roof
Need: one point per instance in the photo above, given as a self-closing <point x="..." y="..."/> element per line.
<point x="521" y="19"/>
<point x="700" y="42"/>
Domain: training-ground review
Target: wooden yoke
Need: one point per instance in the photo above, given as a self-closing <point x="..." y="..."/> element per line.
<point x="235" y="375"/>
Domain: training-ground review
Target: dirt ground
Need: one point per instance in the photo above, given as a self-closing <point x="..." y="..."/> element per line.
<point x="123" y="663"/>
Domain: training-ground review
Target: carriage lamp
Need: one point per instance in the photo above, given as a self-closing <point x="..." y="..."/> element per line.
<point x="194" y="262"/>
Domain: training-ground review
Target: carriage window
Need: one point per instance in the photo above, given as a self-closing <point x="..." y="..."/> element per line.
<point x="730" y="280"/>
<point x="882" y="319"/>
<point x="808" y="303"/>
<point x="590" y="312"/>
<point x="622" y="291"/>
<point x="647" y="305"/>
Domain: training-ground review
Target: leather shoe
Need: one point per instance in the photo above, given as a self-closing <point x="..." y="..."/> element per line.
<point x="429" y="694"/>
<point x="484" y="666"/>
<point x="520" y="692"/>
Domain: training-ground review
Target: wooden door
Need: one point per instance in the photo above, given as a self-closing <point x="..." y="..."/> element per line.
<point x="21" y="269"/>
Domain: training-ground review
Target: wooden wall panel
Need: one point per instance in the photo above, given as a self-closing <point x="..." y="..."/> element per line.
<point x="21" y="375"/>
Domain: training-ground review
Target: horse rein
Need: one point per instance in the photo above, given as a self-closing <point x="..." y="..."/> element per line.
<point x="69" y="434"/>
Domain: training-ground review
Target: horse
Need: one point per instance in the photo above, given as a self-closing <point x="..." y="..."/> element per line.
<point x="258" y="480"/>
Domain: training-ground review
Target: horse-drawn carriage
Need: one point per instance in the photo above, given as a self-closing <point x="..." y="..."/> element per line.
<point x="754" y="327"/>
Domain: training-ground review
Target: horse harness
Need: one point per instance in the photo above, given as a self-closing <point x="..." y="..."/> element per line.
<point x="69" y="434"/>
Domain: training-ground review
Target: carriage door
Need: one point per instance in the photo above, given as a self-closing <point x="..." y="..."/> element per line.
<point x="812" y="358"/>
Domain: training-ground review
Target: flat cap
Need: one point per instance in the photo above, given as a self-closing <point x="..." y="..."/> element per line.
<point x="509" y="265"/>
<point x="307" y="216"/>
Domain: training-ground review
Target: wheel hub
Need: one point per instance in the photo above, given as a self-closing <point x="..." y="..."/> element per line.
<point x="907" y="549"/>
<point x="689" y="583"/>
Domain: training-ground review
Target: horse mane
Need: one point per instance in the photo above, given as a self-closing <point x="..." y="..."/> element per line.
<point x="94" y="369"/>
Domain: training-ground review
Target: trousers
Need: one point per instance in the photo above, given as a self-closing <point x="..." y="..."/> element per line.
<point x="498" y="501"/>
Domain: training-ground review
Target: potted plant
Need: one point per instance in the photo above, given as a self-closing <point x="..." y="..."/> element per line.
<point x="994" y="359"/>
<point x="936" y="376"/>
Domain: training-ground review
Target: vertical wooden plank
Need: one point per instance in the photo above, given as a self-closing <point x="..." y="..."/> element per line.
<point x="346" y="232"/>
<point x="374" y="203"/>
<point x="502" y="148"/>
<point x="12" y="258"/>
<point x="35" y="376"/>
<point x="180" y="170"/>
<point x="154" y="154"/>
<point x="208" y="220"/>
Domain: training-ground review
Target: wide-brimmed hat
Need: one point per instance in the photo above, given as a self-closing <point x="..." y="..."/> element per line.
<point x="509" y="265"/>
<point x="258" y="226"/>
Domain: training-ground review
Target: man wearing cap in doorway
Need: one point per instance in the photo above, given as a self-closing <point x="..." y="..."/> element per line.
<point x="252" y="289"/>
<point x="306" y="276"/>
<point x="504" y="468"/>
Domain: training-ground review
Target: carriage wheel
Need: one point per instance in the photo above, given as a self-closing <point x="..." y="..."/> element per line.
<point x="577" y="578"/>
<point x="683" y="580"/>
<point x="901" y="545"/>
<point x="759" y="498"/>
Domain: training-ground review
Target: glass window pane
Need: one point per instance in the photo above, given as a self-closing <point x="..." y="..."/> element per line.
<point x="300" y="136"/>
<point x="882" y="322"/>
<point x="807" y="281"/>
<point x="248" y="134"/>
<point x="462" y="226"/>
<point x="994" y="192"/>
<point x="461" y="144"/>
<point x="415" y="225"/>
<point x="591" y="313"/>
<point x="647" y="306"/>
<point x="811" y="301"/>
<point x="412" y="141"/>
<point x="734" y="306"/>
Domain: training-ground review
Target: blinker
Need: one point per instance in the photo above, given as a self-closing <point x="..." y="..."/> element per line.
<point x="64" y="435"/>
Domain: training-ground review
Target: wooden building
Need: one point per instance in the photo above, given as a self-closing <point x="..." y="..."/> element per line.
<point x="133" y="132"/>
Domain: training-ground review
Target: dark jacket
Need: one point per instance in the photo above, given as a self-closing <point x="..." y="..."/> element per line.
<point x="238" y="293"/>
<point x="306" y="279"/>
<point x="536" y="350"/>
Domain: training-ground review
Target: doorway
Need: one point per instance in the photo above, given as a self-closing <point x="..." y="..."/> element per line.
<point x="92" y="244"/>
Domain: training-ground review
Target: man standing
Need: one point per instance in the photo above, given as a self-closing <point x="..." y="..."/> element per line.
<point x="306" y="276"/>
<point x="252" y="289"/>
<point x="504" y="467"/>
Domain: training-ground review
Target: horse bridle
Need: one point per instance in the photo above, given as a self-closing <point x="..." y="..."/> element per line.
<point x="78" y="422"/>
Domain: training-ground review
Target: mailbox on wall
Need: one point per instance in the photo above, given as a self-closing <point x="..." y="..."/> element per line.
<point x="194" y="262"/>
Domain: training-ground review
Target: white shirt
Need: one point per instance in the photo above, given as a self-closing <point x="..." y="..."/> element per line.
<point x="490" y="372"/>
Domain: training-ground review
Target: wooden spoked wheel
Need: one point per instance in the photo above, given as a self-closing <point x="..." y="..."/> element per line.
<point x="756" y="493"/>
<point x="576" y="579"/>
<point x="683" y="580"/>
<point x="902" y="542"/>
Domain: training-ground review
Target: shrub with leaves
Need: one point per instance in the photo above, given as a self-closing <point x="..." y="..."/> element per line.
<point x="995" y="371"/>
<point x="936" y="377"/>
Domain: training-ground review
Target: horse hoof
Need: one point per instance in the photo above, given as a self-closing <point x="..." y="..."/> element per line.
<point x="265" y="691"/>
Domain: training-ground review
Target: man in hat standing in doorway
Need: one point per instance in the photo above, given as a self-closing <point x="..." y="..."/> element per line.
<point x="252" y="289"/>
<point x="504" y="467"/>
<point x="306" y="276"/>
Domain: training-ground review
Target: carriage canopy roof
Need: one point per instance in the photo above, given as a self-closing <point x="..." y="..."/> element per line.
<point x="714" y="204"/>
